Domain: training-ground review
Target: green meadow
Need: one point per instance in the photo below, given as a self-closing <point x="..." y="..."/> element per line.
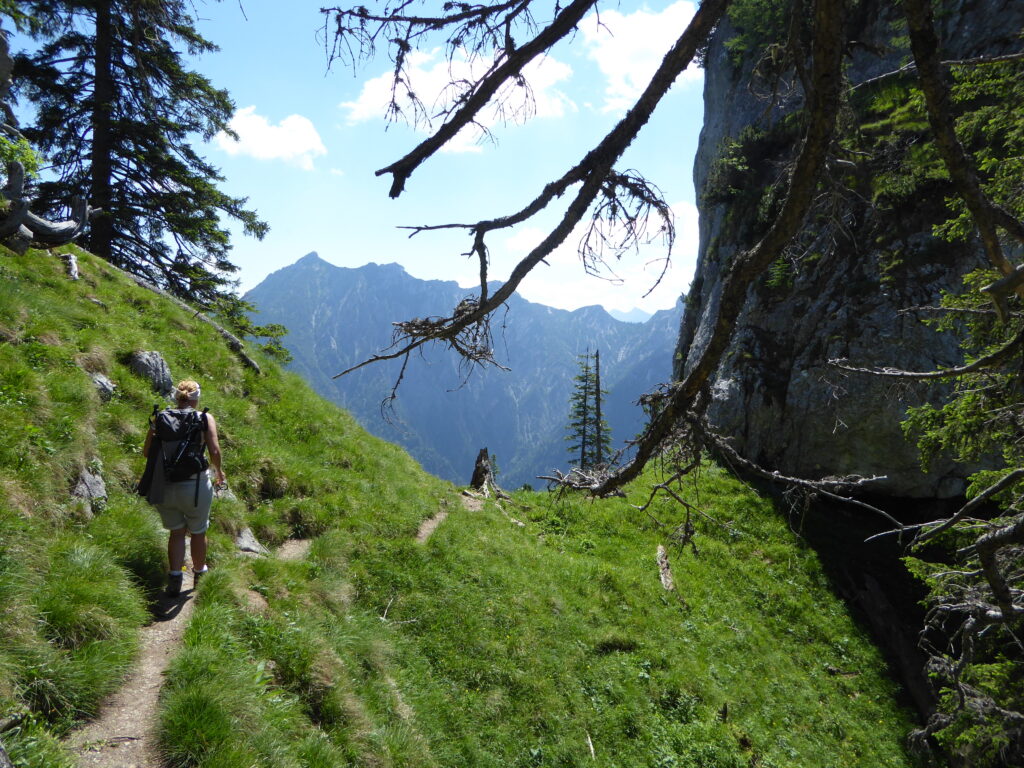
<point x="532" y="633"/>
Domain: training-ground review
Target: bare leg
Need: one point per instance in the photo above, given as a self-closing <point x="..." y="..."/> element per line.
<point x="176" y="549"/>
<point x="198" y="552"/>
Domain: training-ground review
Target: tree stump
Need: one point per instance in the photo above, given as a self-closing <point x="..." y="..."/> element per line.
<point x="483" y="476"/>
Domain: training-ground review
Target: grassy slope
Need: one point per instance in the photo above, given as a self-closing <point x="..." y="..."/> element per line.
<point x="492" y="644"/>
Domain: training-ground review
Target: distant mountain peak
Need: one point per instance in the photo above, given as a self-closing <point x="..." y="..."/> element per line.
<point x="634" y="315"/>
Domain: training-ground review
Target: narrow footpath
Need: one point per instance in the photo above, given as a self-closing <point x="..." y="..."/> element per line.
<point x="124" y="735"/>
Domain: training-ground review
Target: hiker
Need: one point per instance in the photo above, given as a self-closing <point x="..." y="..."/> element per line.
<point x="184" y="502"/>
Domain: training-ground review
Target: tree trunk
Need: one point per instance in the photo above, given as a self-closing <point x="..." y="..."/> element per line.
<point x="483" y="477"/>
<point x="102" y="233"/>
<point x="598" y="437"/>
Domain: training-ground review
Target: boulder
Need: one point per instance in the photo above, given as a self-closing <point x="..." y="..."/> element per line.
<point x="90" y="488"/>
<point x="152" y="367"/>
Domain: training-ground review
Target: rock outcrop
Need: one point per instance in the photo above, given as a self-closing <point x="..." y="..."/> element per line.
<point x="775" y="396"/>
<point x="152" y="367"/>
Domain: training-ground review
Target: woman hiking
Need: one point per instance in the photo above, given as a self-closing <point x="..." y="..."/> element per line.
<point x="181" y="489"/>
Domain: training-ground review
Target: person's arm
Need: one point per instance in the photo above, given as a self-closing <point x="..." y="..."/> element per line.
<point x="213" y="445"/>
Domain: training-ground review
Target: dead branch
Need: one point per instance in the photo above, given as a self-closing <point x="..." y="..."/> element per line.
<point x="664" y="569"/>
<point x="987" y="547"/>
<point x="593" y="174"/>
<point x="1004" y="482"/>
<point x="981" y="364"/>
<point x="837" y="489"/>
<point x="912" y="66"/>
<point x="21" y="228"/>
<point x="484" y="90"/>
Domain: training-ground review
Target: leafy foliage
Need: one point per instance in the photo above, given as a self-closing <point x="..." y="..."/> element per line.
<point x="973" y="633"/>
<point x="117" y="111"/>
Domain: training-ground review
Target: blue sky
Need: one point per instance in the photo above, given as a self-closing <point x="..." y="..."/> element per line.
<point x="311" y="139"/>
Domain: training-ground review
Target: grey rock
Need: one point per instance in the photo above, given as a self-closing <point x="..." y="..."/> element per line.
<point x="71" y="264"/>
<point x="90" y="488"/>
<point x="153" y="367"/>
<point x="104" y="386"/>
<point x="775" y="397"/>
<point x="246" y="542"/>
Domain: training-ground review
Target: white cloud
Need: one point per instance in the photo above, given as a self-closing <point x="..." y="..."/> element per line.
<point x="294" y="140"/>
<point x="563" y="282"/>
<point x="430" y="75"/>
<point x="628" y="48"/>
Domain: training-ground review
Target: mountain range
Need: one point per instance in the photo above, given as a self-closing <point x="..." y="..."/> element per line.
<point x="444" y="412"/>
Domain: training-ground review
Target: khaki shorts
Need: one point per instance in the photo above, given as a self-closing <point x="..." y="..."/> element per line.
<point x="179" y="508"/>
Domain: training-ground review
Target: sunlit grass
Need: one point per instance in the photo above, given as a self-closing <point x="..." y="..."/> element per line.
<point x="491" y="644"/>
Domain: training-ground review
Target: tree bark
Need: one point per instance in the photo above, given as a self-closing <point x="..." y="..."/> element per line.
<point x="101" y="235"/>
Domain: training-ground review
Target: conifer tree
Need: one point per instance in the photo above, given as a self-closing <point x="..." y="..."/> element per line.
<point x="589" y="437"/>
<point x="117" y="110"/>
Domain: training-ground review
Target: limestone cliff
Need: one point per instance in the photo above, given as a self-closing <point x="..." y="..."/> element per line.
<point x="775" y="396"/>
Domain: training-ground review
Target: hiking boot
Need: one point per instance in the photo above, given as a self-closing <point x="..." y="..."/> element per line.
<point x="174" y="584"/>
<point x="197" y="575"/>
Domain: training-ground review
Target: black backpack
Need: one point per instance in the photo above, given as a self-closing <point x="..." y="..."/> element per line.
<point x="177" y="446"/>
<point x="181" y="442"/>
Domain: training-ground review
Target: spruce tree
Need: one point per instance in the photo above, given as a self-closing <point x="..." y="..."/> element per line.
<point x="589" y="437"/>
<point x="117" y="110"/>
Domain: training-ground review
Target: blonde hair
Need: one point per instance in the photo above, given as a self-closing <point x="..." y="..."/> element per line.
<point x="187" y="390"/>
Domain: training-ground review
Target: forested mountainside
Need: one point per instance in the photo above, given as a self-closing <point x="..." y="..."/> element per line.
<point x="446" y="412"/>
<point x="543" y="630"/>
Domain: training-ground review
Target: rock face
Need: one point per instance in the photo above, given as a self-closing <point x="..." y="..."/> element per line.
<point x="775" y="396"/>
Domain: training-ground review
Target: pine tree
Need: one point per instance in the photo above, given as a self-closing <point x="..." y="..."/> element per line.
<point x="589" y="437"/>
<point x="116" y="111"/>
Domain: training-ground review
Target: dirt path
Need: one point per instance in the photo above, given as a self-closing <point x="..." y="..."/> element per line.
<point x="428" y="526"/>
<point x="124" y="735"/>
<point x="294" y="549"/>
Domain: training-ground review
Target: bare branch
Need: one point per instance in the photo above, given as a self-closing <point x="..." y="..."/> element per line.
<point x="484" y="90"/>
<point x="912" y="66"/>
<point x="981" y="364"/>
<point x="1005" y="482"/>
<point x="593" y="172"/>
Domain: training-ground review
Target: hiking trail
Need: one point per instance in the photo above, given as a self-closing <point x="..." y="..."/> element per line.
<point x="124" y="734"/>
